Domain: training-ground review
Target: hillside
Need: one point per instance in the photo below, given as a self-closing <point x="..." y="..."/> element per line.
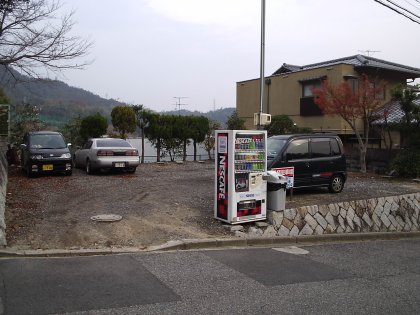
<point x="60" y="102"/>
<point x="220" y="115"/>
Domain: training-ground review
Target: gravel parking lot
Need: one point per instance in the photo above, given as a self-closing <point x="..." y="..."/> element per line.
<point x="160" y="202"/>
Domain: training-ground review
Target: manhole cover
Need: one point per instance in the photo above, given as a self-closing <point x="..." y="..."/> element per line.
<point x="106" y="218"/>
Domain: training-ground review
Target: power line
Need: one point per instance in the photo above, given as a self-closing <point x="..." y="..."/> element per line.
<point x="399" y="12"/>
<point x="398" y="6"/>
<point x="412" y="4"/>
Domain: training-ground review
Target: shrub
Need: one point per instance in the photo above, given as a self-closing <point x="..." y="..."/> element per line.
<point x="407" y="163"/>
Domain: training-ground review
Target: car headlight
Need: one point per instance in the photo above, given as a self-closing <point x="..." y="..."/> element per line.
<point x="66" y="156"/>
<point x="36" y="157"/>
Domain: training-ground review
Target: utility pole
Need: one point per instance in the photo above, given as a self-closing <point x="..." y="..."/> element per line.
<point x="178" y="104"/>
<point x="262" y="54"/>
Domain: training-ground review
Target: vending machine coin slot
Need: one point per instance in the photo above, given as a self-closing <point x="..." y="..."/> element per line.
<point x="256" y="180"/>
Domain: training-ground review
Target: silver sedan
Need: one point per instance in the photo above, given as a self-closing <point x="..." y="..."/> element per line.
<point x="106" y="153"/>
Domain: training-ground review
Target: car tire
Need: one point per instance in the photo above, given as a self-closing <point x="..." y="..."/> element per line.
<point x="132" y="170"/>
<point x="336" y="184"/>
<point x="68" y="173"/>
<point x="89" y="169"/>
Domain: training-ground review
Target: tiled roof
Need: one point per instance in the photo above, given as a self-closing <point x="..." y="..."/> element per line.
<point x="358" y="61"/>
<point x="391" y="112"/>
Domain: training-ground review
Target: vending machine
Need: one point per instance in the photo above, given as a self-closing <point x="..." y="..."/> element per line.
<point x="240" y="184"/>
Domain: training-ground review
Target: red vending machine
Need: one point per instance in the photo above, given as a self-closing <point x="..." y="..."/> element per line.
<point x="241" y="166"/>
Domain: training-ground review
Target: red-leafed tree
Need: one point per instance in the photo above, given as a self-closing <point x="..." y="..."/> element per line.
<point x="356" y="103"/>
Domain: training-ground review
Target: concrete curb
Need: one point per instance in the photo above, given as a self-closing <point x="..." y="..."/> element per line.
<point x="194" y="244"/>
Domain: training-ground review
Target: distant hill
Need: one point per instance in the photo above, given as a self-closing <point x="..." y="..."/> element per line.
<point x="220" y="115"/>
<point x="58" y="101"/>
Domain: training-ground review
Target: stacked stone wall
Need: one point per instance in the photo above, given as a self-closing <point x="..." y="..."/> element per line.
<point x="385" y="214"/>
<point x="3" y="188"/>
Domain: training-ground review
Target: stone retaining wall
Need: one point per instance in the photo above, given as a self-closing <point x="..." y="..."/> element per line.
<point x="385" y="214"/>
<point x="3" y="187"/>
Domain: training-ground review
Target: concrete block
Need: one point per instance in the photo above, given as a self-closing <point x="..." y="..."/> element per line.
<point x="290" y="214"/>
<point x="311" y="221"/>
<point x="330" y="219"/>
<point x="323" y="210"/>
<point x="385" y="220"/>
<point x="367" y="219"/>
<point x="321" y="221"/>
<point x="334" y="209"/>
<point x="269" y="232"/>
<point x="341" y="221"/>
<point x="307" y="230"/>
<point x="283" y="231"/>
<point x="287" y="223"/>
<point x="294" y="231"/>
<point x="319" y="230"/>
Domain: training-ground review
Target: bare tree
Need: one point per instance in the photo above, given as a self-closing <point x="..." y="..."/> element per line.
<point x="35" y="41"/>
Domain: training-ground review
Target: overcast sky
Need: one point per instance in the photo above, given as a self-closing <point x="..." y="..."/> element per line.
<point x="150" y="51"/>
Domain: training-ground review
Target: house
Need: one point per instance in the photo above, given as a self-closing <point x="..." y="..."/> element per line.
<point x="288" y="91"/>
<point x="391" y="113"/>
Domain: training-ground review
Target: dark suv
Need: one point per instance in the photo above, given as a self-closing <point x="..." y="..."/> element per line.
<point x="45" y="152"/>
<point x="317" y="159"/>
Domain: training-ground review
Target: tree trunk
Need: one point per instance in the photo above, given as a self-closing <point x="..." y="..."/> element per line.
<point x="142" y="145"/>
<point x="184" y="158"/>
<point x="362" y="151"/>
<point x="158" y="150"/>
<point x="363" y="160"/>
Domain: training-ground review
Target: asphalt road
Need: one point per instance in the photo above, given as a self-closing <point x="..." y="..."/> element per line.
<point x="380" y="277"/>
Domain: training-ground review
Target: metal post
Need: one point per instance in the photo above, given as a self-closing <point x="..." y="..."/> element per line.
<point x="262" y="62"/>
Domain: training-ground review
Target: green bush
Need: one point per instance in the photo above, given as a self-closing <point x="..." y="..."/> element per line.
<point x="407" y="163"/>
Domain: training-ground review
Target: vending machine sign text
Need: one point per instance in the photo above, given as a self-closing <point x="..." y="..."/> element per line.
<point x="222" y="176"/>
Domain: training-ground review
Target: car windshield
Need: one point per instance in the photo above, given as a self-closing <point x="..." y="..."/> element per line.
<point x="106" y="143"/>
<point x="274" y="146"/>
<point x="47" y="141"/>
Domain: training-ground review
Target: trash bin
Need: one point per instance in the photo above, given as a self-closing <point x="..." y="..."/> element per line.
<point x="276" y="191"/>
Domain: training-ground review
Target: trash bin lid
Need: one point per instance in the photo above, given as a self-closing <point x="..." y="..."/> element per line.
<point x="275" y="178"/>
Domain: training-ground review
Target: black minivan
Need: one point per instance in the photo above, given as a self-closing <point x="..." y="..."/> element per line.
<point x="45" y="152"/>
<point x="318" y="159"/>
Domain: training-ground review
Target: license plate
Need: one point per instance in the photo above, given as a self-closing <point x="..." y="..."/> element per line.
<point x="47" y="167"/>
<point x="119" y="164"/>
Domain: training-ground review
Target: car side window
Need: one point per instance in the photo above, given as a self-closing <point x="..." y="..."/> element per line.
<point x="335" y="148"/>
<point x="298" y="149"/>
<point x="87" y="145"/>
<point x="320" y="147"/>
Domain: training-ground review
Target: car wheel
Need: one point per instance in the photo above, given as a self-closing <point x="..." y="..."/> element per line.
<point x="132" y="170"/>
<point x="336" y="184"/>
<point x="68" y="173"/>
<point x="89" y="170"/>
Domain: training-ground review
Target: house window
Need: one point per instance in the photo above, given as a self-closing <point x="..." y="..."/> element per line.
<point x="308" y="86"/>
<point x="354" y="84"/>
<point x="380" y="91"/>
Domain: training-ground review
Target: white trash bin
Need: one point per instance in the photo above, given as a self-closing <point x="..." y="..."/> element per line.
<point x="276" y="191"/>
